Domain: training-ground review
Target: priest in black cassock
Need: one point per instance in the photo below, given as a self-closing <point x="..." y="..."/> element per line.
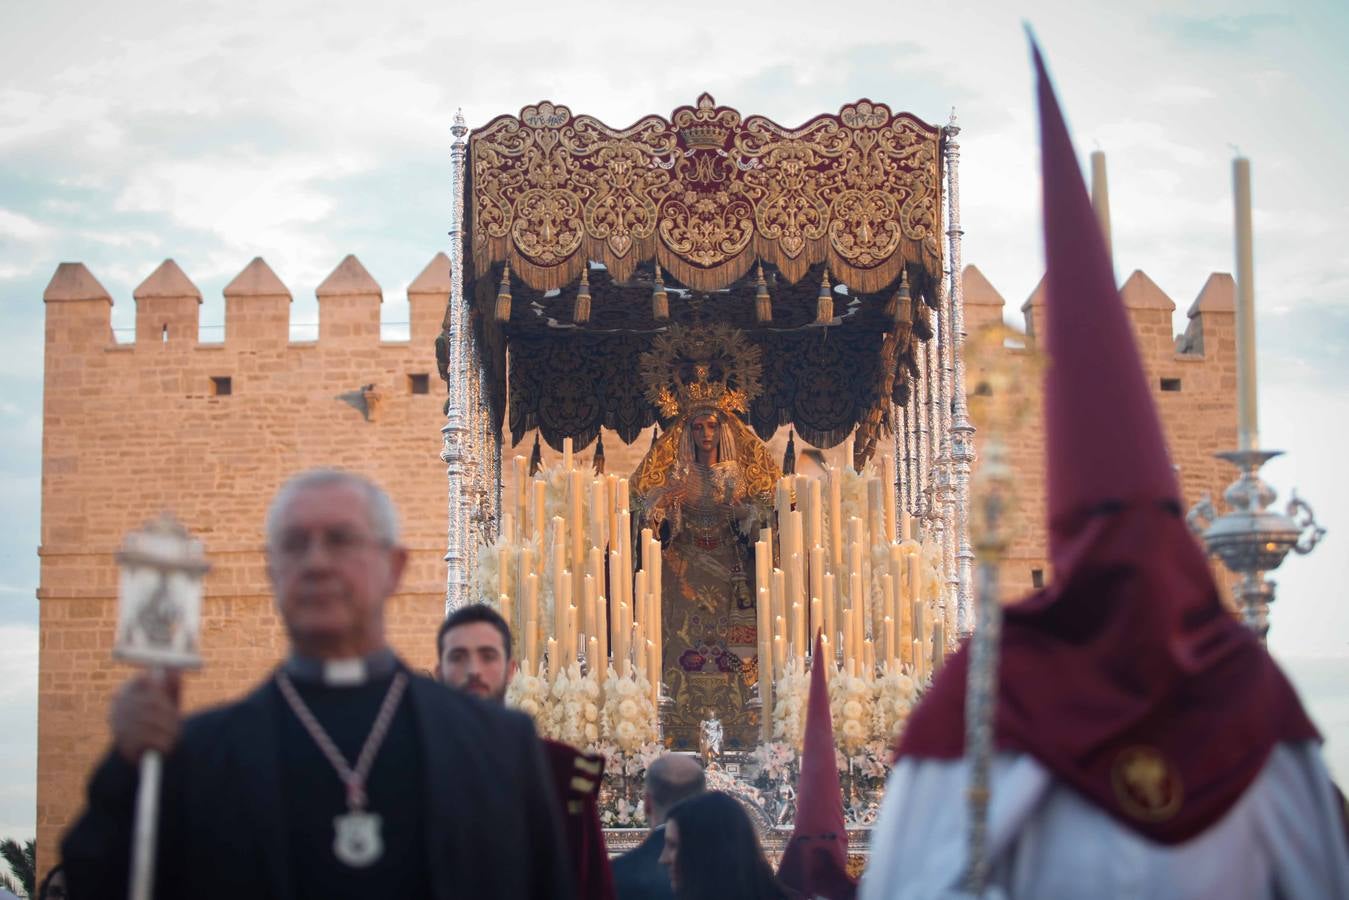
<point x="344" y="774"/>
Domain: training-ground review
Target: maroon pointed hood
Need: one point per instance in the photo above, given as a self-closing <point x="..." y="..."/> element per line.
<point x="1105" y="442"/>
<point x="1125" y="677"/>
<point x="815" y="862"/>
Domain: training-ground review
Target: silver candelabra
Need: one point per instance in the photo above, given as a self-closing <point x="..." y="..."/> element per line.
<point x="1250" y="538"/>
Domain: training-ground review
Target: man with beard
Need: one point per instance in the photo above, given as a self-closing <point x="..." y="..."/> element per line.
<point x="474" y="650"/>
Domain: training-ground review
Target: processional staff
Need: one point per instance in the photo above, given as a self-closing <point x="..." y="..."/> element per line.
<point x="158" y="626"/>
<point x="1002" y="405"/>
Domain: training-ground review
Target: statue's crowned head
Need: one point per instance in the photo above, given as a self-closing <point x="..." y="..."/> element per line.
<point x="701" y="381"/>
<point x="703" y="369"/>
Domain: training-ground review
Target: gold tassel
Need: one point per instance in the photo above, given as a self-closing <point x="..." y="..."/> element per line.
<point x="660" y="301"/>
<point x="824" y="304"/>
<point x="581" y="313"/>
<point x="504" y="295"/>
<point x="789" y="458"/>
<point x="900" y="307"/>
<point x="599" y="454"/>
<point x="763" y="304"/>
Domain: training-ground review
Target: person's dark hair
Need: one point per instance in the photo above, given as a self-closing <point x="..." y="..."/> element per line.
<point x="467" y="615"/>
<point x="666" y="791"/>
<point x="719" y="854"/>
<point x="46" y="882"/>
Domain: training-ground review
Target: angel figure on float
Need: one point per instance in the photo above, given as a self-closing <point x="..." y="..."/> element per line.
<point x="705" y="488"/>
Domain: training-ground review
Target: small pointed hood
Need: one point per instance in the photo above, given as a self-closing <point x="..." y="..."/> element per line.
<point x="1132" y="627"/>
<point x="815" y="862"/>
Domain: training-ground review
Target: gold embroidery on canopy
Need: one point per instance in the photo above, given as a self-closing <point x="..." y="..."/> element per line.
<point x="705" y="193"/>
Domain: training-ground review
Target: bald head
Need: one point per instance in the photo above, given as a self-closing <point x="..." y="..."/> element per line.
<point x="670" y="779"/>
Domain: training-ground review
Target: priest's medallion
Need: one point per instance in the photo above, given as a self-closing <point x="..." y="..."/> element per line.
<point x="356" y="839"/>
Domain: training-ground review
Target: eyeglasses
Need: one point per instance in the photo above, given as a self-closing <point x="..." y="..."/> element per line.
<point x="335" y="542"/>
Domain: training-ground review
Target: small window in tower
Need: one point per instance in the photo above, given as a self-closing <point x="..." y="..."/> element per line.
<point x="221" y="386"/>
<point x="1037" y="578"/>
<point x="1171" y="384"/>
<point x="419" y="383"/>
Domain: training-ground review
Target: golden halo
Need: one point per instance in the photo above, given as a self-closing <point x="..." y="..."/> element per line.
<point x="707" y="366"/>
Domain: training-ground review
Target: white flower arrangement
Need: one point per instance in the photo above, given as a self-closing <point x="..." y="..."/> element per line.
<point x="776" y="762"/>
<point x="850" y="701"/>
<point x="575" y="710"/>
<point x="531" y="694"/>
<point x="789" y="710"/>
<point x="896" y="691"/>
<point x="486" y="576"/>
<point x="629" y="717"/>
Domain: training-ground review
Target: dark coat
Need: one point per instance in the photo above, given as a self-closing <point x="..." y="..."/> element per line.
<point x="638" y="874"/>
<point x="491" y="823"/>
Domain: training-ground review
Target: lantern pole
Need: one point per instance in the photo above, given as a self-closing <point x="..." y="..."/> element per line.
<point x="158" y="627"/>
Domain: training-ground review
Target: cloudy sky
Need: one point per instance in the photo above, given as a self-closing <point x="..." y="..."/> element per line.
<point x="213" y="132"/>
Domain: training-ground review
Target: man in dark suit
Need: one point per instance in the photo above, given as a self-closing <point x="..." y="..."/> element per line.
<point x="638" y="874"/>
<point x="344" y="774"/>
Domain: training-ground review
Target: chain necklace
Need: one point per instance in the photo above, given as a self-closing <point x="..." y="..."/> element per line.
<point x="356" y="834"/>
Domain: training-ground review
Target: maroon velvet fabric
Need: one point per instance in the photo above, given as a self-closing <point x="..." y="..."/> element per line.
<point x="576" y="778"/>
<point x="1125" y="677"/>
<point x="815" y="862"/>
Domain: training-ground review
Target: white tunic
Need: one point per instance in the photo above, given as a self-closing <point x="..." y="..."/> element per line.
<point x="1283" y="839"/>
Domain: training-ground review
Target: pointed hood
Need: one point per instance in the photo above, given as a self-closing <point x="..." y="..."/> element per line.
<point x="1105" y="442"/>
<point x="1132" y="630"/>
<point x="815" y="862"/>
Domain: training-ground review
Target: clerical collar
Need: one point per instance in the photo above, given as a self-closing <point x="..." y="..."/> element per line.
<point x="341" y="672"/>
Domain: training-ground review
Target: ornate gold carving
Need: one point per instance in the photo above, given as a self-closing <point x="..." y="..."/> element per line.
<point x="705" y="192"/>
<point x="1146" y="785"/>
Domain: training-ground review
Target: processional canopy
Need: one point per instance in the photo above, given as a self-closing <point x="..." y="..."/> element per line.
<point x="821" y="243"/>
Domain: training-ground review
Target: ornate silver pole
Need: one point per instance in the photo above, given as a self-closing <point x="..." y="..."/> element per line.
<point x="934" y="433"/>
<point x="962" y="429"/>
<point x="910" y="479"/>
<point x="950" y="538"/>
<point x="897" y="435"/>
<point x="922" y="391"/>
<point x="455" y="430"/>
<point x="936" y="507"/>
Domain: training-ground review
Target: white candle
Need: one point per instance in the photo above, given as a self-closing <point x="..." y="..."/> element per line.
<point x="836" y="518"/>
<point x="540" y="504"/>
<point x="521" y="493"/>
<point x="1248" y="422"/>
<point x="566" y="454"/>
<point x="531" y="642"/>
<point x="888" y="483"/>
<point x="815" y="536"/>
<point x="832" y="614"/>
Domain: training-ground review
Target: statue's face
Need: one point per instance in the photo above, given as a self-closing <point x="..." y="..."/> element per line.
<point x="706" y="435"/>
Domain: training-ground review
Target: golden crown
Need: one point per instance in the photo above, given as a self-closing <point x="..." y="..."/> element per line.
<point x="702" y="367"/>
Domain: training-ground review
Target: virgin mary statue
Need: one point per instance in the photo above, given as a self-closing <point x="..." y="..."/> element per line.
<point x="706" y="487"/>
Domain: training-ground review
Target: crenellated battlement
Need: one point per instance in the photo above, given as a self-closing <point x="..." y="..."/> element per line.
<point x="1193" y="380"/>
<point x="257" y="309"/>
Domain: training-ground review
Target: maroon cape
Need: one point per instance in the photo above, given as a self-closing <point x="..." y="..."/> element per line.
<point x="576" y="777"/>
